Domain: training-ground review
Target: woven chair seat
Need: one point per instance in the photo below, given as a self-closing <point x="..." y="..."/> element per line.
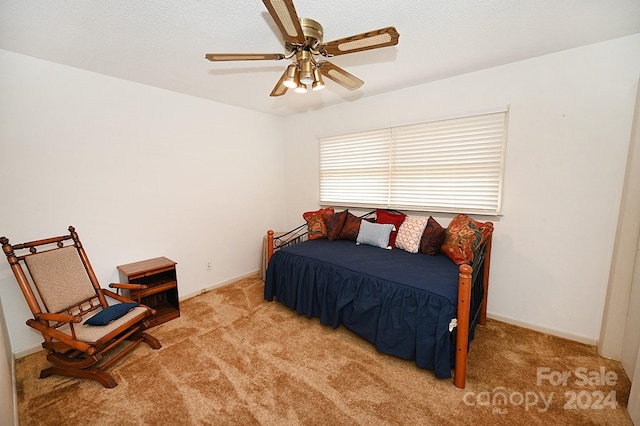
<point x="94" y="333"/>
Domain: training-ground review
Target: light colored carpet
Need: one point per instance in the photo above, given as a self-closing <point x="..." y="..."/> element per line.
<point x="233" y="358"/>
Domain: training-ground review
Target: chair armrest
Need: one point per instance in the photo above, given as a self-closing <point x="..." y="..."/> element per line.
<point x="128" y="286"/>
<point x="65" y="338"/>
<point x="64" y="318"/>
<point x="126" y="300"/>
<point x="116" y="296"/>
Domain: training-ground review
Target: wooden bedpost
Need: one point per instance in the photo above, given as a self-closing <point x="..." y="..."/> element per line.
<point x="462" y="329"/>
<point x="482" y="319"/>
<point x="269" y="245"/>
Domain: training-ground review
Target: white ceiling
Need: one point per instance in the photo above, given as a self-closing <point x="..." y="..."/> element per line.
<point x="162" y="43"/>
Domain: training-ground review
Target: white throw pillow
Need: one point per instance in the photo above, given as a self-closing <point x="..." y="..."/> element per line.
<point x="410" y="233"/>
<point x="374" y="234"/>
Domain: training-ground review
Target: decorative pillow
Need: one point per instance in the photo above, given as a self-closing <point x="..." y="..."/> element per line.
<point x="317" y="222"/>
<point x="335" y="225"/>
<point x="110" y="313"/>
<point x="410" y="233"/>
<point x="351" y="228"/>
<point x="374" y="234"/>
<point x="432" y="238"/>
<point x="463" y="236"/>
<point x="396" y="219"/>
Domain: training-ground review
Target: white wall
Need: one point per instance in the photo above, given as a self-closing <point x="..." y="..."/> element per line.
<point x="140" y="172"/>
<point x="143" y="172"/>
<point x="569" y="128"/>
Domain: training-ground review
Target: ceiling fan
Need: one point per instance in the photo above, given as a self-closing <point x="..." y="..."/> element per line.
<point x="303" y="45"/>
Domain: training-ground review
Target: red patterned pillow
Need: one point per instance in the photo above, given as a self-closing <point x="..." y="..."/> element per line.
<point x="432" y="238"/>
<point x="317" y="222"/>
<point x="463" y="236"/>
<point x="385" y="216"/>
<point x="335" y="225"/>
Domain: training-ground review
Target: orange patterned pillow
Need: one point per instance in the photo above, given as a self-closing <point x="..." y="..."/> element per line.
<point x="317" y="222"/>
<point x="464" y="235"/>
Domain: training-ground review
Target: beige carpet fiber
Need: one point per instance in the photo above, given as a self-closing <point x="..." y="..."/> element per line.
<point x="233" y="358"/>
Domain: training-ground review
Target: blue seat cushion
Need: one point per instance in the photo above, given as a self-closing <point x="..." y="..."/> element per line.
<point x="111" y="313"/>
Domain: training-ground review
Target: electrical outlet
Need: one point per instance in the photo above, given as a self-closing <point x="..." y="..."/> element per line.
<point x="209" y="266"/>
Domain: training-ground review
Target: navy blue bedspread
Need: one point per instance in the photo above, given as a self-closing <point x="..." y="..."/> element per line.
<point x="400" y="302"/>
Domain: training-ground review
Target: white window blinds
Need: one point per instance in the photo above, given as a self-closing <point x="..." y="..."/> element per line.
<point x="453" y="165"/>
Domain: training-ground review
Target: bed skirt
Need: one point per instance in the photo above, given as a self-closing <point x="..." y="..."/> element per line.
<point x="354" y="286"/>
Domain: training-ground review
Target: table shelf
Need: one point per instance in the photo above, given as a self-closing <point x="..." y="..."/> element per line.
<point x="161" y="294"/>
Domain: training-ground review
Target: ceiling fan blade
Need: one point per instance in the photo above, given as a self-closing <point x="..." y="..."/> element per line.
<point x="244" y="56"/>
<point x="339" y="75"/>
<point x="280" y="89"/>
<point x="284" y="14"/>
<point x="371" y="40"/>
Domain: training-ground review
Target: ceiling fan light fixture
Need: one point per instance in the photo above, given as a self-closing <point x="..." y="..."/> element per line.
<point x="290" y="80"/>
<point x="318" y="84"/>
<point x="306" y="72"/>
<point x="306" y="77"/>
<point x="306" y="66"/>
<point x="302" y="88"/>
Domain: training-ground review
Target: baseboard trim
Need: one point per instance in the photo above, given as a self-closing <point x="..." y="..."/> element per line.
<point x="220" y="284"/>
<point x="28" y="351"/>
<point x="546" y="330"/>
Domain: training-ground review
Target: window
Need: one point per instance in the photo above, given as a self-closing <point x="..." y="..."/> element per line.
<point x="451" y="166"/>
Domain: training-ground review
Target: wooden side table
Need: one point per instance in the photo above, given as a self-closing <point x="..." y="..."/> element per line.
<point x="161" y="294"/>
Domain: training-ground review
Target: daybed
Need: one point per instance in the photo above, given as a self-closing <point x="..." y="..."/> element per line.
<point x="408" y="304"/>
